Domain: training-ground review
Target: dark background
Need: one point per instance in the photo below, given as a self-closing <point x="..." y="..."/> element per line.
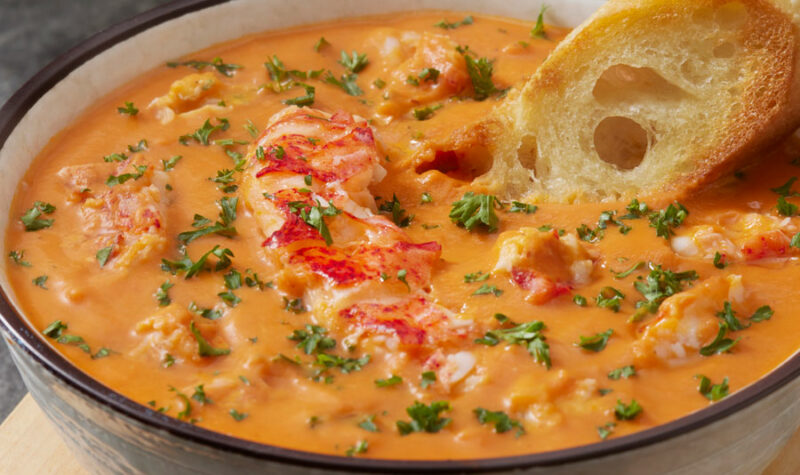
<point x="33" y="33"/>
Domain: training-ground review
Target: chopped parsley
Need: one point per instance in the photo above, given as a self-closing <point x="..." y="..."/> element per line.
<point x="475" y="209"/>
<point x="347" y="82"/>
<point x="199" y="395"/>
<point x="190" y="268"/>
<point x="103" y="255"/>
<point x="321" y="43"/>
<point x="427" y="379"/>
<point x="480" y="72"/>
<point x="785" y="190"/>
<point x="429" y="74"/>
<point x="502" y="422"/>
<point x="216" y="63"/>
<point x="223" y="227"/>
<point x="401" y="276"/>
<point x="354" y="63"/>
<point x="368" y="424"/>
<point x="18" y="258"/>
<point x="360" y="448"/>
<point x="628" y="412"/>
<point x="720" y="261"/>
<point x="237" y="416"/>
<point x="168" y="361"/>
<point x="538" y="28"/>
<point x="528" y="335"/>
<point x="306" y="99"/>
<point x="391" y="381"/>
<point x="609" y="297"/>
<point x="31" y="219"/>
<point x="629" y="271"/>
<point x="468" y="20"/>
<point x="315" y="215"/>
<point x="425" y="113"/>
<point x="426" y="198"/>
<point x="596" y="342"/>
<point x="295" y="306"/>
<point x="345" y="365"/>
<point x="128" y="109"/>
<point x="475" y="277"/>
<point x="162" y="294"/>
<point x="657" y="286"/>
<point x="425" y="418"/>
<point x="394" y="208"/>
<point x="170" y="163"/>
<point x="40" y="281"/>
<point x="762" y="313"/>
<point x="606" y="430"/>
<point x="313" y="339"/>
<point x="520" y="207"/>
<point x="202" y="134"/>
<point x="114" y="180"/>
<point x="204" y="348"/>
<point x="141" y="146"/>
<point x="579" y="300"/>
<point x="721" y="343"/>
<point x="379" y="83"/>
<point x="712" y="392"/>
<point x="785" y="208"/>
<point x="625" y="372"/>
<point x="208" y="313"/>
<point x="668" y="219"/>
<point x="487" y="289"/>
<point x="636" y="210"/>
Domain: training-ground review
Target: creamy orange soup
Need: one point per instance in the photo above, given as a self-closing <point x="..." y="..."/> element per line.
<point x="323" y="276"/>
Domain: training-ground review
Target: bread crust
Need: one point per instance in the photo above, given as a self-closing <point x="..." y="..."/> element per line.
<point x="747" y="99"/>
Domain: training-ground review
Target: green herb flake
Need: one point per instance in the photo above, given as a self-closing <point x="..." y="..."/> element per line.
<point x="425" y="113"/>
<point x="55" y="329"/>
<point x="347" y="82"/>
<point x="427" y="379"/>
<point x="538" y="29"/>
<point x="162" y="294"/>
<point x="114" y="180"/>
<point x="595" y="343"/>
<point x="579" y="300"/>
<point x="475" y="209"/>
<point x="628" y="412"/>
<point x="425" y="418"/>
<point x="487" y="289"/>
<point x="18" y="258"/>
<point x="475" y="277"/>
<point x="202" y="134"/>
<point x="321" y="43"/>
<point x="502" y="422"/>
<point x="468" y="20"/>
<point x="368" y="424"/>
<point x="629" y="271"/>
<point x="391" y="381"/>
<point x="103" y="255"/>
<point x="312" y="339"/>
<point x="40" y="281"/>
<point x="712" y="392"/>
<point x="622" y="373"/>
<point x="170" y="163"/>
<point x="527" y="335"/>
<point x="399" y="216"/>
<point x="223" y="68"/>
<point x="720" y="261"/>
<point x="359" y="448"/>
<point x="606" y="430"/>
<point x="520" y="207"/>
<point x="764" y="312"/>
<point x="667" y="219"/>
<point x="128" y="109"/>
<point x="610" y="298"/>
<point x="237" y="416"/>
<point x="203" y="347"/>
<point x="31" y="219"/>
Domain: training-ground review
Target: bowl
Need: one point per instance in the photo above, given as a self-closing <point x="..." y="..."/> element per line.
<point x="110" y="433"/>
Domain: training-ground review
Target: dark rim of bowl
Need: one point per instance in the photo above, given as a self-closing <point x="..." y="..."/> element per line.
<point x="15" y="109"/>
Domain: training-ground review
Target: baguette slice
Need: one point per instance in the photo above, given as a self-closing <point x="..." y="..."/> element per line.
<point x="650" y="96"/>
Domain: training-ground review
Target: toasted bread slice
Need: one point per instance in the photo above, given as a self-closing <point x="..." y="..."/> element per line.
<point x="650" y="96"/>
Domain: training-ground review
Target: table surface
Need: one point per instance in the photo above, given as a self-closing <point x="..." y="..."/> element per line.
<point x="33" y="33"/>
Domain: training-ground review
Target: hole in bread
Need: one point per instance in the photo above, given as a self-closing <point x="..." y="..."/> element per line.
<point x="692" y="72"/>
<point x="462" y="165"/>
<point x="725" y="50"/>
<point x="624" y="83"/>
<point x="620" y="141"/>
<point x="731" y="15"/>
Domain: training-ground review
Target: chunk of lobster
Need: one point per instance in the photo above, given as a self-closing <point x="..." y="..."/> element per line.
<point x="127" y="215"/>
<point x="422" y="69"/>
<point x="543" y="263"/>
<point x="743" y="237"/>
<point x="686" y="322"/>
<point x="166" y="336"/>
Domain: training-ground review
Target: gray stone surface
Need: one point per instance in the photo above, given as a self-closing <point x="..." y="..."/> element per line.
<point x="32" y="33"/>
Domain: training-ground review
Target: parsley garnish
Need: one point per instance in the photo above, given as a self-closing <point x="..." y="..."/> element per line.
<point x="426" y="198"/>
<point x="191" y="269"/>
<point x="360" y="448"/>
<point x="667" y="219"/>
<point x="305" y="100"/>
<point x="761" y="314"/>
<point x="128" y="109"/>
<point x="203" y="347"/>
<point x="216" y="63"/>
<point x="379" y="83"/>
<point x="170" y="163"/>
<point x="399" y="216"/>
<point x="659" y="285"/>
<point x="721" y="344"/>
<point x="18" y="258"/>
<point x="202" y="134"/>
<point x="468" y="20"/>
<point x="635" y="210"/>
<point x="719" y="261"/>
<point x="31" y="218"/>
<point x="223" y="227"/>
<point x="114" y="180"/>
<point x="487" y="289"/>
<point x="55" y="329"/>
<point x="502" y="423"/>
<point x="425" y="418"/>
<point x="480" y="72"/>
<point x="579" y="300"/>
<point x="345" y="365"/>
<point x="347" y="83"/>
<point x="475" y="209"/>
<point x="609" y="297"/>
<point x="428" y="378"/>
<point x="321" y="43"/>
<point x="627" y="412"/>
<point x="425" y="113"/>
<point x="520" y="207"/>
<point x="199" y="395"/>
<point x="626" y="273"/>
<point x="368" y="424"/>
<point x="103" y="255"/>
<point x="294" y="305"/>
<point x="712" y="392"/>
<point x="538" y="28"/>
<point x="314" y="216"/>
<point x="785" y="208"/>
<point x="475" y="277"/>
<point x="208" y="313"/>
<point x="596" y="342"/>
<point x="528" y="335"/>
<point x="785" y="190"/>
<point x="237" y="416"/>
<point x="40" y="281"/>
<point x="313" y="339"/>
<point x="391" y="381"/>
<point x="141" y="146"/>
<point x="606" y="430"/>
<point x="625" y="372"/>
<point x="162" y="294"/>
<point x="354" y="63"/>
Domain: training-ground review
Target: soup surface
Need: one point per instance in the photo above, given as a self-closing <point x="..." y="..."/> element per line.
<point x="274" y="238"/>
